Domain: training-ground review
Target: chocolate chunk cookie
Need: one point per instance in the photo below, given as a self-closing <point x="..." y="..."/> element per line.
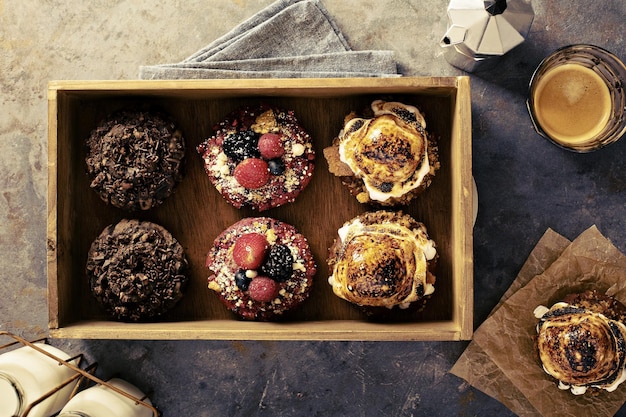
<point x="135" y="159"/>
<point x="136" y="270"/>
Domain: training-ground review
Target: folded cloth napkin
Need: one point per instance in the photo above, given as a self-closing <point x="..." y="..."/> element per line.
<point x="288" y="39"/>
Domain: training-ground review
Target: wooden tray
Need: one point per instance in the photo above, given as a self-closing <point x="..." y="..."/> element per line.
<point x="196" y="213"/>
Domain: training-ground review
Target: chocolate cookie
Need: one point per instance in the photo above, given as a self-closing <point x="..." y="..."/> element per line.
<point x="261" y="268"/>
<point x="136" y="270"/>
<point x="259" y="157"/>
<point x="135" y="159"/>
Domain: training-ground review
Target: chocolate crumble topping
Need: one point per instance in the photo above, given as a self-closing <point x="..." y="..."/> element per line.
<point x="136" y="270"/>
<point x="135" y="159"/>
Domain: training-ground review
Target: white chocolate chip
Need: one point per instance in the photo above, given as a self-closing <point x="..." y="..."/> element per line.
<point x="540" y="311"/>
<point x="297" y="149"/>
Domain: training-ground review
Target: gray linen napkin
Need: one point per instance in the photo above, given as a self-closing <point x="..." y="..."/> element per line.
<point x="288" y="39"/>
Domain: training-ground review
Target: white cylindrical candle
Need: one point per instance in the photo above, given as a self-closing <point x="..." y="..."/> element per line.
<point x="26" y="375"/>
<point x="102" y="401"/>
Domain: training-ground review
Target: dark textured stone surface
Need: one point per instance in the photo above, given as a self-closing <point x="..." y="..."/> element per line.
<point x="525" y="186"/>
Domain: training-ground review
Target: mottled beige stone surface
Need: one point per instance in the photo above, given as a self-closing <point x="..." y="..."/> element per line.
<point x="109" y="40"/>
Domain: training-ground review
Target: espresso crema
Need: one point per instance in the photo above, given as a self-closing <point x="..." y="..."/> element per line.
<point x="572" y="104"/>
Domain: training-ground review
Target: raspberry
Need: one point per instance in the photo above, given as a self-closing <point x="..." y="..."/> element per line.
<point x="271" y="146"/>
<point x="279" y="263"/>
<point x="263" y="289"/>
<point x="252" y="173"/>
<point x="241" y="145"/>
<point x="249" y="250"/>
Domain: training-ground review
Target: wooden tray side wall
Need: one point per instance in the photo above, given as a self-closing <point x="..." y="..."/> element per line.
<point x="463" y="199"/>
<point x="196" y="213"/>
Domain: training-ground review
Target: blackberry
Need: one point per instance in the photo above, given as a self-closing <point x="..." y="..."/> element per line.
<point x="279" y="263"/>
<point x="241" y="145"/>
<point x="241" y="280"/>
<point x="276" y="166"/>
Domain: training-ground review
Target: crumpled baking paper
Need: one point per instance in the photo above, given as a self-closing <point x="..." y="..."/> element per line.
<point x="501" y="361"/>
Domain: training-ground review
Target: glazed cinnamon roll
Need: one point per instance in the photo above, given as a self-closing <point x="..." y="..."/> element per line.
<point x="386" y="159"/>
<point x="383" y="259"/>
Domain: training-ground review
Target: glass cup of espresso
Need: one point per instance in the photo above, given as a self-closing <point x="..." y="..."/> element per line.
<point x="577" y="98"/>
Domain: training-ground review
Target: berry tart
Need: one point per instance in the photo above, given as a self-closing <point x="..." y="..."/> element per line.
<point x="383" y="260"/>
<point x="136" y="270"/>
<point x="135" y="159"/>
<point x="385" y="158"/>
<point x="259" y="157"/>
<point x="262" y="268"/>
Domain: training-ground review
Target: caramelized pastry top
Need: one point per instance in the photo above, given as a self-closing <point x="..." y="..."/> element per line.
<point x="389" y="152"/>
<point x="382" y="260"/>
<point x="581" y="347"/>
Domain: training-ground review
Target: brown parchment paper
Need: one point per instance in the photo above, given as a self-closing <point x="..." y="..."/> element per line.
<point x="475" y="365"/>
<point x="500" y="360"/>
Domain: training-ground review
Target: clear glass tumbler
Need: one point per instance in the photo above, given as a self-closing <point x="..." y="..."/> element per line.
<point x="577" y="98"/>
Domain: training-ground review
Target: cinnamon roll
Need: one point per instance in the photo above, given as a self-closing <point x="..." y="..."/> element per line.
<point x="386" y="159"/>
<point x="383" y="259"/>
<point x="581" y="342"/>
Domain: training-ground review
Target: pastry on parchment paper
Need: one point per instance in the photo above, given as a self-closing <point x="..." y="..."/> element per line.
<point x="581" y="342"/>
